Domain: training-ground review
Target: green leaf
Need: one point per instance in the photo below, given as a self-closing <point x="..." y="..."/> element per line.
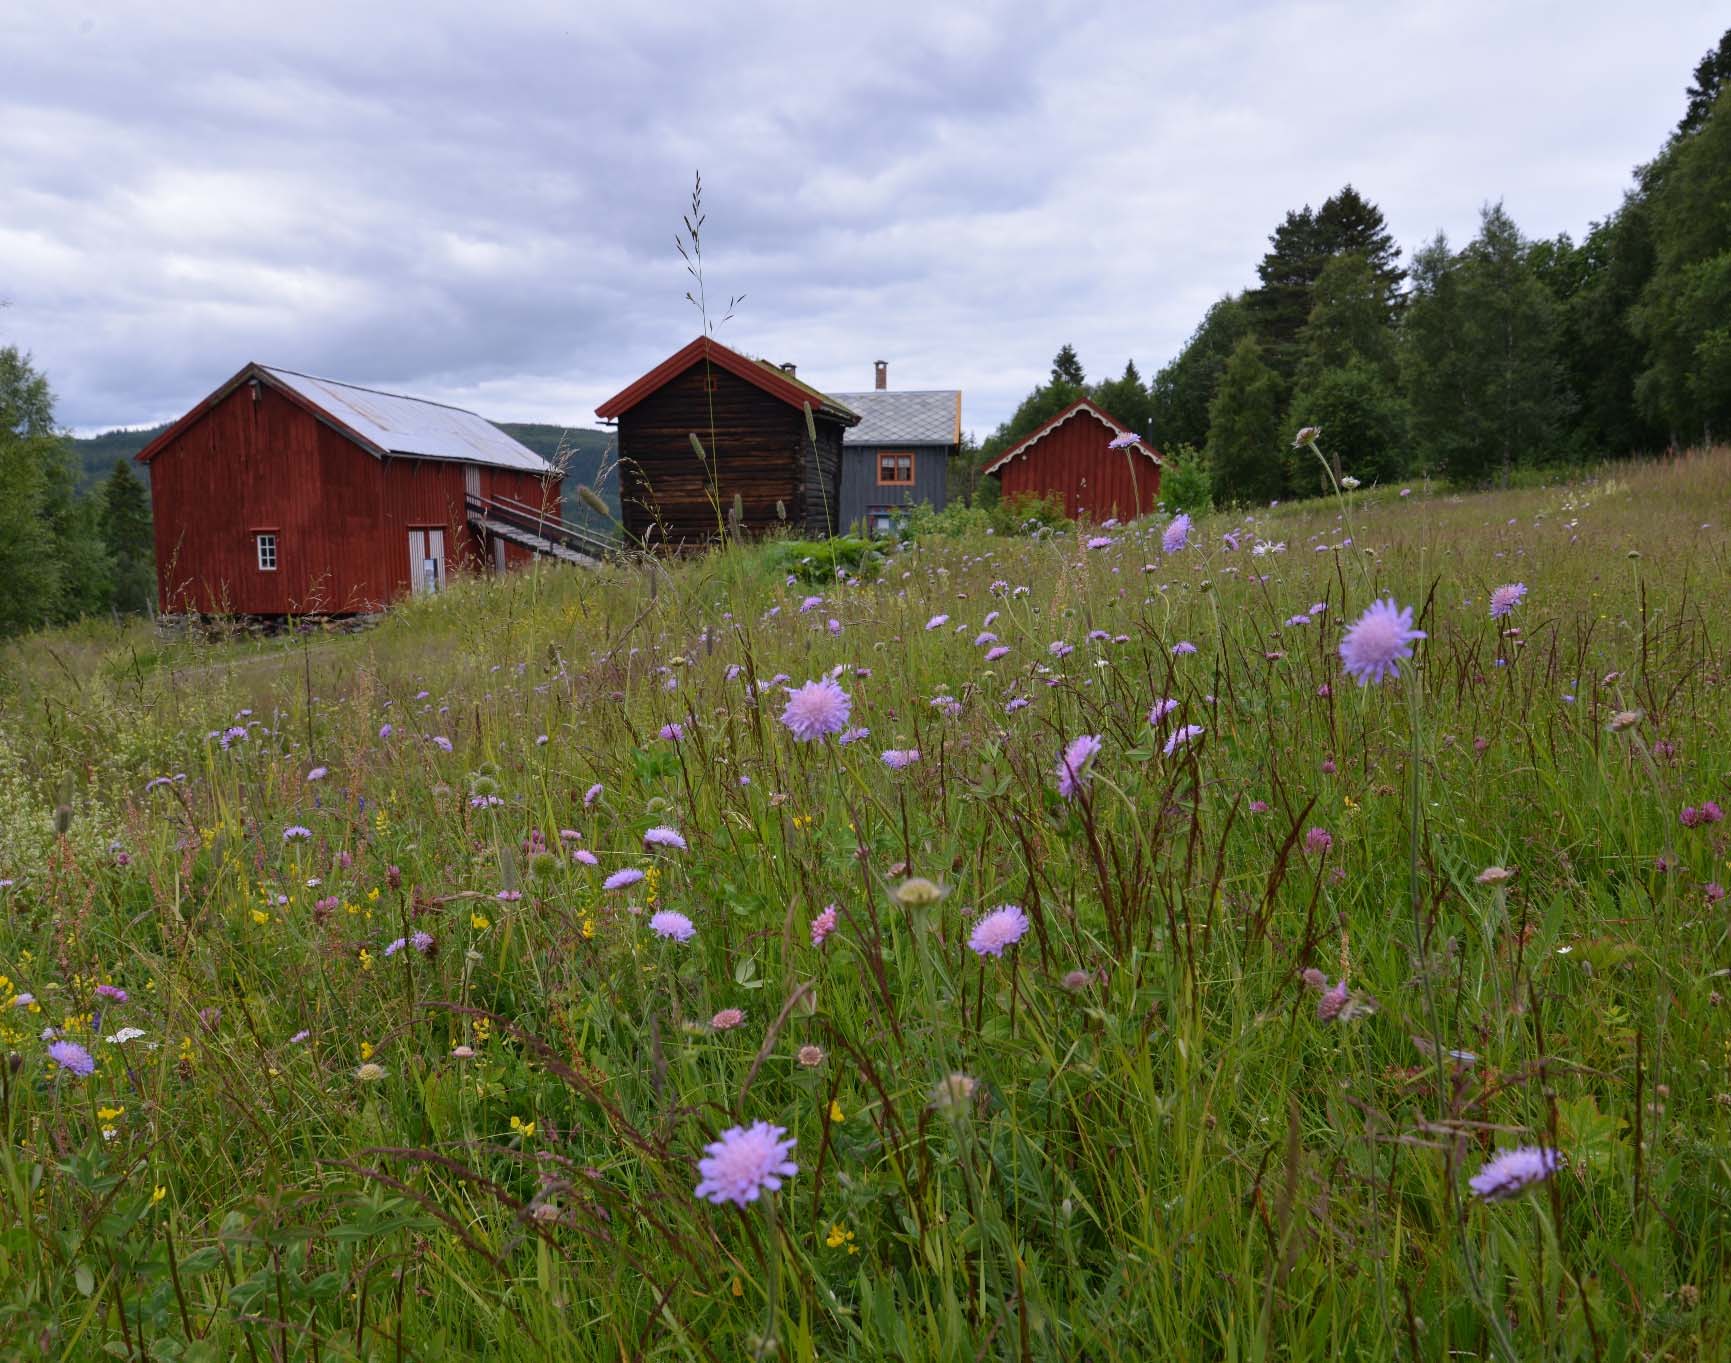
<point x="85" y="1280"/>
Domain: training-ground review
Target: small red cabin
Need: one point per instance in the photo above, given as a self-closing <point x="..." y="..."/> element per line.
<point x="1069" y="456"/>
<point x="282" y="494"/>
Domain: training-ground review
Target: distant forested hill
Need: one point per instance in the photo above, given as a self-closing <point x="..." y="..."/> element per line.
<point x="585" y="454"/>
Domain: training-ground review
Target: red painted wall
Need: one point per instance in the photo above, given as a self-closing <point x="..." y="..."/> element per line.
<point x="341" y="515"/>
<point x="1072" y="459"/>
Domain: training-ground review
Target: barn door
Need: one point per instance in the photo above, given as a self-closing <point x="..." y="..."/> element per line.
<point x="426" y="560"/>
<point x="472" y="480"/>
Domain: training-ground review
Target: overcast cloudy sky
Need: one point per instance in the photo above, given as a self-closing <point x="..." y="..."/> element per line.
<point x="477" y="201"/>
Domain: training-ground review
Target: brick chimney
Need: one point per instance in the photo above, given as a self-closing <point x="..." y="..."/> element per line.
<point x="883" y="368"/>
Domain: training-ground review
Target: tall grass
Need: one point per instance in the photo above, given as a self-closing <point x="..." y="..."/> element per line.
<point x="324" y="1146"/>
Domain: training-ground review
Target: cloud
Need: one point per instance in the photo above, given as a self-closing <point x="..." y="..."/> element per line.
<point x="478" y="203"/>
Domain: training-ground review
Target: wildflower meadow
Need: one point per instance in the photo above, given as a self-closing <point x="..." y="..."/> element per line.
<point x="1296" y="934"/>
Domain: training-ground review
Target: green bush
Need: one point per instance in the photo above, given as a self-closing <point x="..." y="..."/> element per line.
<point x="818" y="560"/>
<point x="1185" y="483"/>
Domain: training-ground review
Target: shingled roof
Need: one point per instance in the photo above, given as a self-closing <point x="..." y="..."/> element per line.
<point x="910" y="416"/>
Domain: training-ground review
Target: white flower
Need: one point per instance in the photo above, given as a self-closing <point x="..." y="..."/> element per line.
<point x="124" y="1035"/>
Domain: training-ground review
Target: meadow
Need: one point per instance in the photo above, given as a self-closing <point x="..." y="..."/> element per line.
<point x="418" y="994"/>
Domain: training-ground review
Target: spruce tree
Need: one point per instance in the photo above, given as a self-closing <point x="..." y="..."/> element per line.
<point x="1180" y="395"/>
<point x="1245" y="446"/>
<point x="127" y="535"/>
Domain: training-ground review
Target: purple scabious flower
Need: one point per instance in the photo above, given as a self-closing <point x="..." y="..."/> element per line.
<point x="660" y="836"/>
<point x="72" y="1057"/>
<point x="896" y="759"/>
<point x="1176" y="536"/>
<point x="1059" y="649"/>
<point x="620" y="879"/>
<point x="852" y="734"/>
<point x="1505" y="598"/>
<point x="1160" y="709"/>
<point x="112" y="992"/>
<point x="817" y="709"/>
<point x="673" y="733"/>
<point x="1124" y="441"/>
<point x="1003" y="927"/>
<point x="1182" y="737"/>
<point x="593" y="794"/>
<point x="385" y="731"/>
<point x="318" y="773"/>
<point x="746" y="1162"/>
<point x="810" y="604"/>
<point x="1101" y="542"/>
<point x="296" y="833"/>
<point x="421" y="942"/>
<point x="396" y="946"/>
<point x="997" y="651"/>
<point x="1510" y="1172"/>
<point x="584" y="855"/>
<point x="672" y="925"/>
<point x="1074" y="764"/>
<point x="823" y="925"/>
<point x="1183" y="647"/>
<point x="937" y="622"/>
<point x="1374" y="644"/>
<point x="442" y="743"/>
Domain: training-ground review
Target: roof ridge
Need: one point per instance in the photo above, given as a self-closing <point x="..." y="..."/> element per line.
<point x="381" y="392"/>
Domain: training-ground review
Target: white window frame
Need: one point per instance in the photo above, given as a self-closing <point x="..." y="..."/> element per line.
<point x="265" y="546"/>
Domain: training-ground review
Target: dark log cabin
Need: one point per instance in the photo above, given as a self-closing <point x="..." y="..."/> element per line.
<point x="282" y="494"/>
<point x="1068" y="456"/>
<point x="749" y="417"/>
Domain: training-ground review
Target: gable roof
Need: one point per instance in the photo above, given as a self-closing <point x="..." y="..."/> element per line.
<point x="772" y="379"/>
<point x="905" y="416"/>
<point x="383" y="424"/>
<point x="1080" y="407"/>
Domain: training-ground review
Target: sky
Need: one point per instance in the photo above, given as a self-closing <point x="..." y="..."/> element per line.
<point x="477" y="203"/>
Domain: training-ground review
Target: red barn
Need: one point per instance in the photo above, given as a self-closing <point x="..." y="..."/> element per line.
<point x="282" y="494"/>
<point x="1069" y="456"/>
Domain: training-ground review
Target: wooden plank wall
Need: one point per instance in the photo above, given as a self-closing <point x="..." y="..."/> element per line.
<point x="859" y="481"/>
<point x="341" y="515"/>
<point x="758" y="450"/>
<point x="1096" y="483"/>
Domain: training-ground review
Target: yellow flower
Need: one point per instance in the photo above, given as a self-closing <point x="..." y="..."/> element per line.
<point x="108" y="1114"/>
<point x="157" y="1194"/>
<point x="835" y="1112"/>
<point x="373" y="895"/>
<point x="738" y="1288"/>
<point x="366" y="1050"/>
<point x="522" y="1128"/>
<point x="260" y="917"/>
<point x="838" y="1237"/>
<point x="480" y="921"/>
<point x="802" y="821"/>
<point x="588" y="927"/>
<point x="366" y="959"/>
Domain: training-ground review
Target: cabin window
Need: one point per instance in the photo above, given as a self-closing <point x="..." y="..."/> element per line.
<point x="885" y="520"/>
<point x="895" y="470"/>
<point x="266" y="552"/>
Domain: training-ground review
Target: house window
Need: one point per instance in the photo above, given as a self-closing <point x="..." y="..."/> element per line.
<point x="895" y="470"/>
<point x="266" y="552"/>
<point x="885" y="520"/>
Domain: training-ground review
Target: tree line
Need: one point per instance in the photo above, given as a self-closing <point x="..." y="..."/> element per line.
<point x="62" y="555"/>
<point x="1467" y="364"/>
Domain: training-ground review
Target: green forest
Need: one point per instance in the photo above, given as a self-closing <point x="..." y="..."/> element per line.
<point x="1466" y="363"/>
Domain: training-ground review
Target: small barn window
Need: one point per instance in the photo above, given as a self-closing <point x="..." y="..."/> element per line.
<point x="895" y="470"/>
<point x="266" y="552"/>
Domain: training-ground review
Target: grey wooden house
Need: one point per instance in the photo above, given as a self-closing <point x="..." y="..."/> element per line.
<point x="899" y="454"/>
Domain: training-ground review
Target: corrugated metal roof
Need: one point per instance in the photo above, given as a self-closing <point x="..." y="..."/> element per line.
<point x="904" y="416"/>
<point x="412" y="426"/>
